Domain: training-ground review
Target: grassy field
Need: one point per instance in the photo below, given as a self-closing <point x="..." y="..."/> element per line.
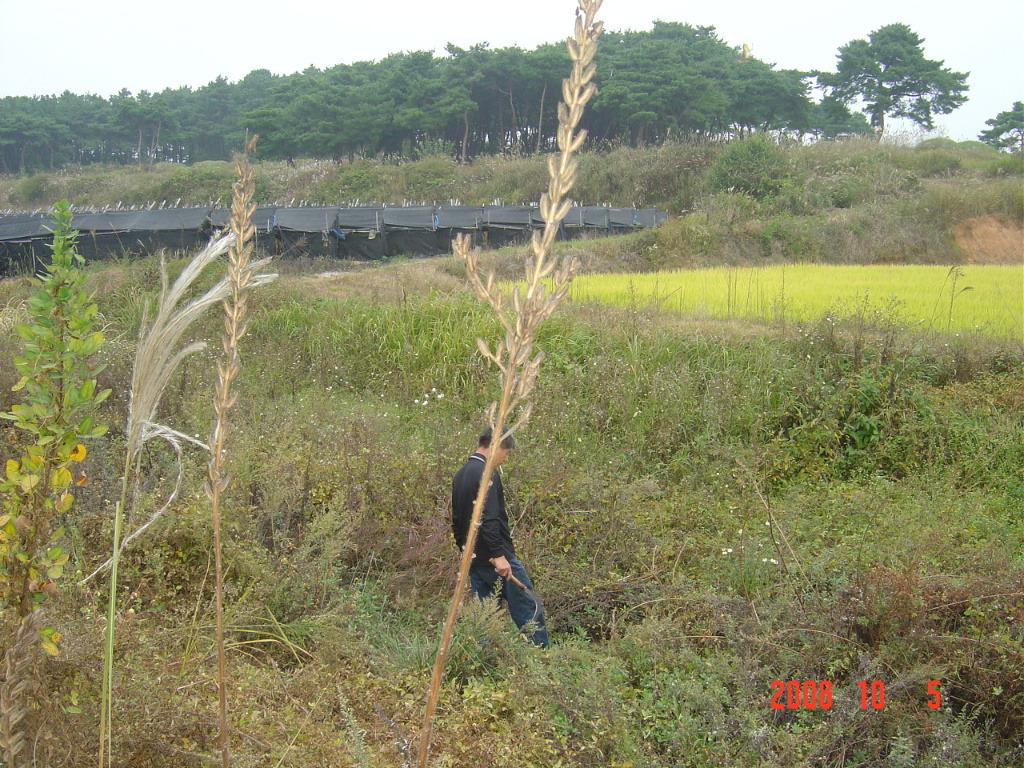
<point x="710" y="500"/>
<point x="987" y="300"/>
<point x="707" y="507"/>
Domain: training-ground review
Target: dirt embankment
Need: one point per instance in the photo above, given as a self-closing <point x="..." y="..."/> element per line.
<point x="991" y="240"/>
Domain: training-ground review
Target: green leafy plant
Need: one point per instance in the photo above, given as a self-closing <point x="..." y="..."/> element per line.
<point x="862" y="425"/>
<point x="58" y="382"/>
<point x="60" y="395"/>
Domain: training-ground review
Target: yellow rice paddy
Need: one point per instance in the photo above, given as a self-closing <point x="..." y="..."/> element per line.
<point x="984" y="299"/>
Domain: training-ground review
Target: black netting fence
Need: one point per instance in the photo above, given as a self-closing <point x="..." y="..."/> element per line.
<point x="354" y="232"/>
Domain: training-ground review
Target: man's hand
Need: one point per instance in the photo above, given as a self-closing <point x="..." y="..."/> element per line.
<point x="501" y="565"/>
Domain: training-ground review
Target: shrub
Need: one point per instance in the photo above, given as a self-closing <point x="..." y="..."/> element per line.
<point x="512" y="180"/>
<point x="37" y="188"/>
<point x="754" y="166"/>
<point x="361" y="180"/>
<point x="925" y="162"/>
<point x="1007" y="165"/>
<point x="432" y="179"/>
<point x="57" y="411"/>
<point x="195" y="184"/>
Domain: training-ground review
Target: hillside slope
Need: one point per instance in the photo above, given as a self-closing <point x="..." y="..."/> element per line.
<point x="842" y="202"/>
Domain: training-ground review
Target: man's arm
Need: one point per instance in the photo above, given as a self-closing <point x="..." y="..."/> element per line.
<point x="492" y="542"/>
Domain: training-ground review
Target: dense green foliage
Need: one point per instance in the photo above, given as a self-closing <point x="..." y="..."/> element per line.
<point x="890" y="73"/>
<point x="674" y="81"/>
<point x="1006" y="129"/>
<point x="57" y="411"/>
<point x="756" y="167"/>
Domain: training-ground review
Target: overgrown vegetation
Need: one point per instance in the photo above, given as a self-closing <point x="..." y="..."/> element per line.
<point x="850" y="202"/>
<point x="709" y="506"/>
<point x="672" y="176"/>
<point x="58" y="381"/>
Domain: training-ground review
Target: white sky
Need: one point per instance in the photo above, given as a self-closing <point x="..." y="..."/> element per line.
<point x="151" y="45"/>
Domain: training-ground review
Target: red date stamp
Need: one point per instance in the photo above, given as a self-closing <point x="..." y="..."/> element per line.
<point x="817" y="694"/>
<point x="806" y="694"/>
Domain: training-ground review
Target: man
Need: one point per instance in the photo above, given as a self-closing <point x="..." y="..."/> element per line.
<point x="494" y="554"/>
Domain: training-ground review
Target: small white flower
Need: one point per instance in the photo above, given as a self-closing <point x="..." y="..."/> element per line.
<point x="440" y="395"/>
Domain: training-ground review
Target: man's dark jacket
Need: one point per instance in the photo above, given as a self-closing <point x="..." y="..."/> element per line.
<point x="494" y="539"/>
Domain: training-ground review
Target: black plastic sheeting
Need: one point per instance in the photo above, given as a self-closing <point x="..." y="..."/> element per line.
<point x="306" y="231"/>
<point x="164" y="220"/>
<point x="456" y="220"/>
<point x="357" y="232"/>
<point x="365" y="218"/>
<point x="23" y="226"/>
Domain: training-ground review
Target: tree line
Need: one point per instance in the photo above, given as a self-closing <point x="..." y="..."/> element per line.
<point x="674" y="81"/>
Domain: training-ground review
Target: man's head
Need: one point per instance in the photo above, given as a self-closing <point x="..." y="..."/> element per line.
<point x="508" y="442"/>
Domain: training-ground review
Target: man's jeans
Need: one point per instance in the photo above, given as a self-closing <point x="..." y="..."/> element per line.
<point x="521" y="606"/>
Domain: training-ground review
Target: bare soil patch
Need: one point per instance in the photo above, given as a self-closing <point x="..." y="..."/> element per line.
<point x="991" y="240"/>
<point x="383" y="282"/>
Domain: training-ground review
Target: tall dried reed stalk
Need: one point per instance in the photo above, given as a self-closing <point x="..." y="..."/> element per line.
<point x="157" y="357"/>
<point x="16" y="683"/>
<point x="241" y="279"/>
<point x="514" y="356"/>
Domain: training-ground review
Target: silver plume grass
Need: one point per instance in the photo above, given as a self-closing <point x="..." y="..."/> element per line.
<point x="159" y="355"/>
